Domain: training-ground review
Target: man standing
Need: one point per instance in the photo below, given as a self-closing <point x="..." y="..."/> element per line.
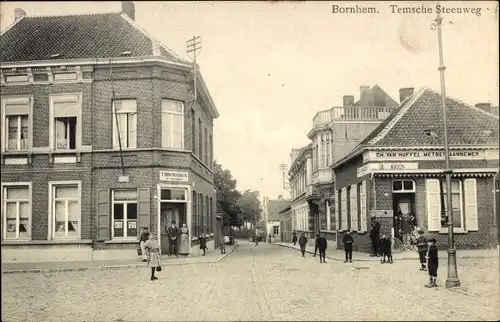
<point x="144" y="238"/>
<point x="316" y="245"/>
<point x="322" y="244"/>
<point x="302" y="244"/>
<point x="374" y="235"/>
<point x="172" y="233"/>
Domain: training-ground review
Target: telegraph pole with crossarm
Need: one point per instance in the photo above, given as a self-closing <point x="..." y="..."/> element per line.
<point x="193" y="45"/>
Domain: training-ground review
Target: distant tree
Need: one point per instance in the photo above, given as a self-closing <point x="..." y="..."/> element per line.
<point x="249" y="205"/>
<point x="227" y="195"/>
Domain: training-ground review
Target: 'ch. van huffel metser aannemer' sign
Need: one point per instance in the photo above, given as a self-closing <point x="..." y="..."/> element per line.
<point x="176" y="176"/>
<point x="424" y="155"/>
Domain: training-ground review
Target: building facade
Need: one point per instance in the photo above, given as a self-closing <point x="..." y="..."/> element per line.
<point x="272" y="209"/>
<point x="100" y="141"/>
<point x="398" y="170"/>
<point x="334" y="133"/>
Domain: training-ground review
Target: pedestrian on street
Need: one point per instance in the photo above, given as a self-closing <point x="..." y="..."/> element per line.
<point x="316" y="245"/>
<point x="154" y="252"/>
<point x="374" y="235"/>
<point x="144" y="238"/>
<point x="203" y="243"/>
<point x="432" y="262"/>
<point x="422" y="249"/>
<point x="385" y="247"/>
<point x="322" y="245"/>
<point x="347" y="240"/>
<point x="294" y="238"/>
<point x="222" y="245"/>
<point x="269" y="239"/>
<point x="302" y="244"/>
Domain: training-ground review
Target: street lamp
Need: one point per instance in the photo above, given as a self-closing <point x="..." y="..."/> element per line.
<point x="452" y="278"/>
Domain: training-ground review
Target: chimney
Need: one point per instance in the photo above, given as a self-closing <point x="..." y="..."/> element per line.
<point x="128" y="8"/>
<point x="404" y="93"/>
<point x="19" y="13"/>
<point x="348" y="100"/>
<point x="484" y="106"/>
<point x="363" y="89"/>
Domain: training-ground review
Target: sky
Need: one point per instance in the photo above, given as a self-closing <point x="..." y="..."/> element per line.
<point x="270" y="66"/>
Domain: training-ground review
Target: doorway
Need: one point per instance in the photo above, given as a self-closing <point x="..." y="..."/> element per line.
<point x="172" y="208"/>
<point x="403" y="204"/>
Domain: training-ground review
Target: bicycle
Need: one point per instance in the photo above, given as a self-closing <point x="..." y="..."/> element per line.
<point x="398" y="244"/>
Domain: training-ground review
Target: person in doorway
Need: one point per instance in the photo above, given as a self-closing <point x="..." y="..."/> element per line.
<point x="374" y="236"/>
<point x="385" y="247"/>
<point x="316" y="245"/>
<point x="172" y="234"/>
<point x="184" y="240"/>
<point x="203" y="243"/>
<point x="154" y="252"/>
<point x="143" y="240"/>
<point x="294" y="238"/>
<point x="348" y="241"/>
<point x="322" y="245"/>
<point x="422" y="248"/>
<point x="302" y="244"/>
<point x="405" y="229"/>
<point x="432" y="262"/>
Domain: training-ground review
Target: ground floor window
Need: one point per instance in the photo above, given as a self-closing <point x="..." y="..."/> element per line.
<point x="276" y="230"/>
<point x="66" y="210"/>
<point x="124" y="216"/>
<point x="17" y="211"/>
<point x="456" y="204"/>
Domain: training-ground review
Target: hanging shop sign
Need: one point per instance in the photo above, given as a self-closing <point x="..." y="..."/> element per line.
<point x="175" y="176"/>
<point x="370" y="167"/>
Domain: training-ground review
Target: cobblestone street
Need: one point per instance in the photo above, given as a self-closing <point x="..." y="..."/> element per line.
<point x="264" y="282"/>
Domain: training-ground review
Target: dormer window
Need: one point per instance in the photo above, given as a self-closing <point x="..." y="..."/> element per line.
<point x="430" y="133"/>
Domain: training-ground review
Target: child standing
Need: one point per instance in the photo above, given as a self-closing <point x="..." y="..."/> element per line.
<point x="347" y="240"/>
<point x="422" y="248"/>
<point x="222" y="245"/>
<point x="432" y="262"/>
<point x="203" y="243"/>
<point x="322" y="244"/>
<point x="385" y="245"/>
<point x="302" y="244"/>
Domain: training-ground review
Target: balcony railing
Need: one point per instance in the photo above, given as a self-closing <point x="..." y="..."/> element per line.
<point x="351" y="113"/>
<point x="322" y="176"/>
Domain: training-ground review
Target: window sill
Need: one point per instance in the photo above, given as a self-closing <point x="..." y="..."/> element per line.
<point x="46" y="242"/>
<point x="122" y="241"/>
<point x="455" y="231"/>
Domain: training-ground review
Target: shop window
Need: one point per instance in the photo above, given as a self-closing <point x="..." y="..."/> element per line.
<point x="66" y="210"/>
<point x="17" y="211"/>
<point x="124" y="215"/>
<point x="456" y="204"/>
<point x="403" y="186"/>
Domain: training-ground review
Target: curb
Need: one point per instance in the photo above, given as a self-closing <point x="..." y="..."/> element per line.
<point x="377" y="259"/>
<point x="134" y="265"/>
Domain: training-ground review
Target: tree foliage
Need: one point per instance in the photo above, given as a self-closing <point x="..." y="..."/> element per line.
<point x="227" y="195"/>
<point x="250" y="206"/>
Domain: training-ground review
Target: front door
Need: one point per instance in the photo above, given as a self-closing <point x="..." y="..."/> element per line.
<point x="168" y="213"/>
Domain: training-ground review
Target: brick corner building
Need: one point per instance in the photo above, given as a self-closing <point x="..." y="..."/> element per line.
<point x="398" y="170"/>
<point x="101" y="137"/>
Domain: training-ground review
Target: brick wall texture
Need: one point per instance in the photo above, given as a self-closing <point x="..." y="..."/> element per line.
<point x="101" y="168"/>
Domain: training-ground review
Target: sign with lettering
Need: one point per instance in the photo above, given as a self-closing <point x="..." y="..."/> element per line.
<point x="369" y="167"/>
<point x="176" y="176"/>
<point x="427" y="155"/>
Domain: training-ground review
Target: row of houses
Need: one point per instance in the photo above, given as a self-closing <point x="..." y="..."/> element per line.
<point x="102" y="136"/>
<point x="377" y="157"/>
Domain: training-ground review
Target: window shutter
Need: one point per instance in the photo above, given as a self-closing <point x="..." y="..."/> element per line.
<point x="344" y="209"/>
<point x="103" y="214"/>
<point x="470" y="204"/>
<point x="433" y="204"/>
<point x="337" y="214"/>
<point x="362" y="203"/>
<point x="354" y="207"/>
<point x="143" y="208"/>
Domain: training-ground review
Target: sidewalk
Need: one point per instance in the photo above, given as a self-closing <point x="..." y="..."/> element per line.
<point x="339" y="255"/>
<point x="43" y="267"/>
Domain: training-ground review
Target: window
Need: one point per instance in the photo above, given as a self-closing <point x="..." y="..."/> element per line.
<point x="200" y="139"/>
<point x="16" y="211"/>
<point x="323" y="152"/>
<point x="200" y="213"/>
<point x="328" y="215"/>
<point x="65" y="76"/>
<point x="456" y="204"/>
<point x="206" y="215"/>
<point x="66" y="211"/>
<point x="317" y="158"/>
<point x="125" y="123"/>
<point x="211" y="211"/>
<point x="17" y="132"/>
<point x="211" y="154"/>
<point x="173" y="194"/>
<point x="276" y="230"/>
<point x="64" y="120"/>
<point x="403" y="186"/>
<point x="124" y="215"/>
<point x="16" y="115"/>
<point x="193" y="131"/>
<point x="206" y="147"/>
<point x="173" y="124"/>
<point x="16" y="78"/>
<point x="328" y="152"/>
<point x="194" y="222"/>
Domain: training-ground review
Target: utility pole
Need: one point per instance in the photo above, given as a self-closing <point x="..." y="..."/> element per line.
<point x="193" y="45"/>
<point x="113" y="107"/>
<point x="452" y="278"/>
<point x="286" y="184"/>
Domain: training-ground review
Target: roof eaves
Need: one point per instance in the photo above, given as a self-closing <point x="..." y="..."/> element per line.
<point x="354" y="153"/>
<point x="153" y="39"/>
<point x="407" y="103"/>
